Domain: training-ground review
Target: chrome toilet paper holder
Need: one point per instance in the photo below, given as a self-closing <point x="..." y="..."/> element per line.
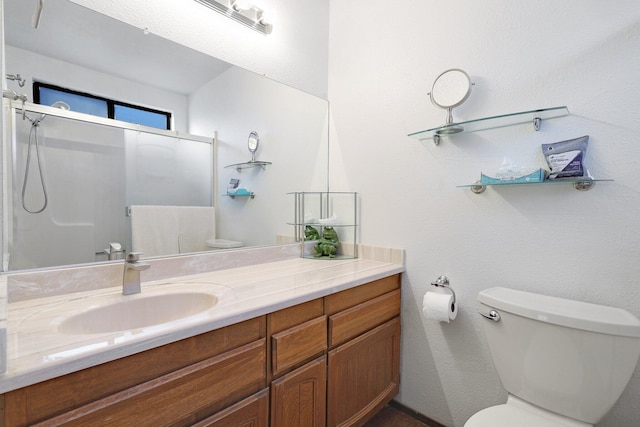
<point x="443" y="282"/>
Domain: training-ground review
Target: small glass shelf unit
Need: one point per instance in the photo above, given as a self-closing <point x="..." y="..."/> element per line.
<point x="321" y="210"/>
<point x="533" y="116"/>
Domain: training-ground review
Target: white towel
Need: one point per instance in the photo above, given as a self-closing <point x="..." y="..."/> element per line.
<point x="196" y="225"/>
<point x="154" y="230"/>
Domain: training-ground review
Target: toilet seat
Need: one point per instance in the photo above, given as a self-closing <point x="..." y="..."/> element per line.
<point x="517" y="412"/>
<point x="506" y="416"/>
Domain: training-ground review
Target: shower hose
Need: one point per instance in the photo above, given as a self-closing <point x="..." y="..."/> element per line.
<point x="33" y="135"/>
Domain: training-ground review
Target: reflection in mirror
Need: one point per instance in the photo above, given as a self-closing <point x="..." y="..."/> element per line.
<point x="90" y="172"/>
<point x="450" y="89"/>
<point x="80" y="49"/>
<point x="33" y="141"/>
<point x="253" y="143"/>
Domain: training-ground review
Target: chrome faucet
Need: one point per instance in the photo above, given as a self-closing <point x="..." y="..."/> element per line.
<point x="131" y="277"/>
<point x="114" y="251"/>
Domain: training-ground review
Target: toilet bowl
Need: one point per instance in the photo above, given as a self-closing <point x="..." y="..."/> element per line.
<point x="222" y="244"/>
<point x="564" y="363"/>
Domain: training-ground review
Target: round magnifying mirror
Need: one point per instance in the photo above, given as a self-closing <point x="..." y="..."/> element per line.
<point x="450" y="89"/>
<point x="253" y="143"/>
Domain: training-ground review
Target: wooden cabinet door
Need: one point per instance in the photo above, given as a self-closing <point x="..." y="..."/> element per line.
<point x="363" y="375"/>
<point x="298" y="399"/>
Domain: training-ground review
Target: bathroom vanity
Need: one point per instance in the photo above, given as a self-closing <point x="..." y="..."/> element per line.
<point x="309" y="343"/>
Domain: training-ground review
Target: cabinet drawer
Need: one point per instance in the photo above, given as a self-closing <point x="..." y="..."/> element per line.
<point x="181" y="397"/>
<point x="354" y="296"/>
<point x="250" y="412"/>
<point x="293" y="316"/>
<point x="296" y="345"/>
<point x="350" y="323"/>
<point x="29" y="405"/>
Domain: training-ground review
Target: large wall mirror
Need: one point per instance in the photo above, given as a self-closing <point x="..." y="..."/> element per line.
<point x="94" y="173"/>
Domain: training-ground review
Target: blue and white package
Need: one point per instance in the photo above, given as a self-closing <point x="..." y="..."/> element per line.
<point x="566" y="158"/>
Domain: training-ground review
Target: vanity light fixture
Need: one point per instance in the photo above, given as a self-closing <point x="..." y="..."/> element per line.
<point x="243" y="12"/>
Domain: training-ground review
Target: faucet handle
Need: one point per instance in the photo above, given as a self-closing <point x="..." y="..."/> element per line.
<point x="133" y="257"/>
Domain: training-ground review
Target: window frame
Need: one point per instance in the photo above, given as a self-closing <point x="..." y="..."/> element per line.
<point x="111" y="103"/>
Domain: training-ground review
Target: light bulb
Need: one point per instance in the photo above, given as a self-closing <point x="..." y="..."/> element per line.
<point x="265" y="19"/>
<point x="268" y="25"/>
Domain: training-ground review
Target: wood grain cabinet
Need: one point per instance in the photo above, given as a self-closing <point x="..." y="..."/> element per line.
<point x="298" y="398"/>
<point x="357" y="331"/>
<point x="178" y="384"/>
<point x="363" y="375"/>
<point x="298" y="335"/>
<point x="332" y="361"/>
<point x="364" y="356"/>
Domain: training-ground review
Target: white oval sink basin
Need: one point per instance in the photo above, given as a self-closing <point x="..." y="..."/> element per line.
<point x="139" y="311"/>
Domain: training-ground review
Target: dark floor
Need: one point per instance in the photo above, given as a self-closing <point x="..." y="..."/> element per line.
<point x="392" y="417"/>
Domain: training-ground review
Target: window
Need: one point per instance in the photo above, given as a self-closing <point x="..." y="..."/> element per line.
<point x="133" y="114"/>
<point x="47" y="94"/>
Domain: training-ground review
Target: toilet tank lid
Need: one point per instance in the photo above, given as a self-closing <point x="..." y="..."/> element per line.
<point x="563" y="312"/>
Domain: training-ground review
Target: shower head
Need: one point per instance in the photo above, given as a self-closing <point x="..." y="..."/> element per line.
<point x="37" y="121"/>
<point x="58" y="104"/>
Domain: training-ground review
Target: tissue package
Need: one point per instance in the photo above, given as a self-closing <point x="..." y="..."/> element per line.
<point x="536" y="176"/>
<point x="566" y="158"/>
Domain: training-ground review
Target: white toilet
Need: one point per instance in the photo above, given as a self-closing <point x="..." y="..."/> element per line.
<point x="563" y="362"/>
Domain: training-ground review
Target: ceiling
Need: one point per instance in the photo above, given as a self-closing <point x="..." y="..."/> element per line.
<point x="81" y="36"/>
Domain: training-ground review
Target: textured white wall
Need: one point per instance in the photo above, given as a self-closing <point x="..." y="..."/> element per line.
<point x="550" y="239"/>
<point x="295" y="52"/>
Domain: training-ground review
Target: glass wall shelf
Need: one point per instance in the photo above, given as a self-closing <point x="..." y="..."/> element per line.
<point x="580" y="184"/>
<point x="234" y="195"/>
<point x="249" y="165"/>
<point x="533" y="116"/>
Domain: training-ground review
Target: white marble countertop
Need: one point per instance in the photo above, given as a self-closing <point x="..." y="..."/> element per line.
<point x="37" y="351"/>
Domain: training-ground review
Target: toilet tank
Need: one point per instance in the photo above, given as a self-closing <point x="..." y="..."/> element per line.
<point x="569" y="357"/>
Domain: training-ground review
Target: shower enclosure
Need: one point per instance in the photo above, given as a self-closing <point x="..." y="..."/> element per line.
<point x="90" y="170"/>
